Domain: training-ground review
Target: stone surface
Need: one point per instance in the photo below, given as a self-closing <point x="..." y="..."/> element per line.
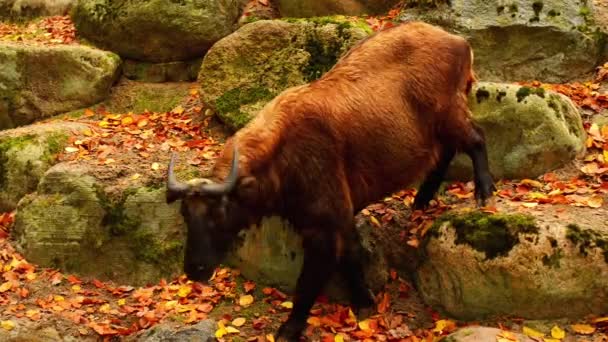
<point x="203" y="331"/>
<point x="483" y="334"/>
<point x="156" y="30"/>
<point x="20" y="10"/>
<point x="549" y="40"/>
<point x="38" y="81"/>
<point x="318" y="8"/>
<point x="72" y="223"/>
<point x="161" y="72"/>
<point x="25" y="154"/>
<point x="246" y="69"/>
<point x="476" y="266"/>
<point x="528" y="131"/>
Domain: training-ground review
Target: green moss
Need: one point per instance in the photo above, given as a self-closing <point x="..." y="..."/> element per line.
<point x="482" y="94"/>
<point x="524" y="92"/>
<point x="115" y="217"/>
<point x="55" y="143"/>
<point x="584" y="11"/>
<point x="587" y="239"/>
<point x="5" y="146"/>
<point x="493" y="234"/>
<point x="229" y="104"/>
<point x="148" y="248"/>
<point x="553" y="260"/>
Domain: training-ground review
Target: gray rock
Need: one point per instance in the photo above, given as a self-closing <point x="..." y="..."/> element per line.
<point x="203" y="331"/>
<point x="482" y="334"/>
<point x="529" y="131"/>
<point x="318" y="8"/>
<point x="25" y="154"/>
<point x="477" y="265"/>
<point x="39" y="81"/>
<point x="548" y="40"/>
<point x="246" y="69"/>
<point x="157" y="30"/>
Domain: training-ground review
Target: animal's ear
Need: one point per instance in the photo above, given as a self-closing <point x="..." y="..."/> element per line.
<point x="248" y="189"/>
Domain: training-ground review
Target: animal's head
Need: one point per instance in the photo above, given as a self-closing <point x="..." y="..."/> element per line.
<point x="214" y="215"/>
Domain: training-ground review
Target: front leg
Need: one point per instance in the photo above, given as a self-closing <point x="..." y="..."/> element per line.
<point x="320" y="261"/>
<point x="351" y="269"/>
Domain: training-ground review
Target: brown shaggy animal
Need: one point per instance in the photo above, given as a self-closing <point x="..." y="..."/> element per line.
<point x="392" y="111"/>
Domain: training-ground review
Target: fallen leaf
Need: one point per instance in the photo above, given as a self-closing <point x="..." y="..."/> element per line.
<point x="184" y="291"/>
<point x="6" y="286"/>
<point x="583" y="329"/>
<point x="155" y="166"/>
<point x="245" y="300"/>
<point x="287" y="305"/>
<point x="532" y="333"/>
<point x="71" y="149"/>
<point x="557" y="332"/>
<point x="237" y="322"/>
<point x="7" y="325"/>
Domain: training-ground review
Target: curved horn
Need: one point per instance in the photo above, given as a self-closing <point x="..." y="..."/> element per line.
<point x="219" y="189"/>
<point x="175" y="188"/>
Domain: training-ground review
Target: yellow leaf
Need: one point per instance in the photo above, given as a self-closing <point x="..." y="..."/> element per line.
<point x="126" y="121"/>
<point x="338" y="338"/>
<point x="58" y="298"/>
<point x="442" y="324"/>
<point x="221" y="330"/>
<point x="71" y="149"/>
<point x="270" y="338"/>
<point x="104" y="124"/>
<point x="6" y="286"/>
<point x="76" y="288"/>
<point x="532" y="333"/>
<point x="246" y="300"/>
<point x="135" y="176"/>
<point x="122" y="302"/>
<point x="532" y="183"/>
<point x="583" y="329"/>
<point x="87" y="132"/>
<point x="595" y="201"/>
<point x="237" y="322"/>
<point x="184" y="291"/>
<point x="178" y="110"/>
<point x="549" y="339"/>
<point x="374" y="220"/>
<point x="600" y="319"/>
<point x="287" y="305"/>
<point x="557" y="332"/>
<point x="170" y="304"/>
<point x="104" y="308"/>
<point x="232" y="330"/>
<point x="7" y="325"/>
<point x="155" y="166"/>
<point x="364" y="325"/>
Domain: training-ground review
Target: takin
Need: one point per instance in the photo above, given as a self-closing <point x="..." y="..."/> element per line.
<point x="392" y="111"/>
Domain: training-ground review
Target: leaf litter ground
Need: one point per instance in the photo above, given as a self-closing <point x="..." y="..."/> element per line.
<point x="133" y="149"/>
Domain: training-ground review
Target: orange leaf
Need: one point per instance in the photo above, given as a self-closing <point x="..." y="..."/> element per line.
<point x="384" y="303"/>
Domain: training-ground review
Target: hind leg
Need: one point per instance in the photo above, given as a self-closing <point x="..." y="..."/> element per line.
<point x="433" y="180"/>
<point x="475" y="148"/>
<point x="351" y="269"/>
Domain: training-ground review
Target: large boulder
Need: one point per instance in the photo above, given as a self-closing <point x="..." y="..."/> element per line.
<point x="485" y="334"/>
<point x="25" y="155"/>
<point x="478" y="265"/>
<point x="39" y="81"/>
<point x="318" y="8"/>
<point x="547" y="40"/>
<point x="246" y="69"/>
<point x="529" y="131"/>
<point x="74" y="223"/>
<point x="155" y="30"/>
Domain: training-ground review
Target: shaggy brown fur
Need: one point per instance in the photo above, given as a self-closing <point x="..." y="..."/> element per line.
<point x="392" y="111"/>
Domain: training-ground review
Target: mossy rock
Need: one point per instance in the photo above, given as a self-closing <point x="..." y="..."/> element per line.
<point x="246" y="69"/>
<point x="24" y="10"/>
<point x="75" y="224"/>
<point x="477" y="265"/>
<point x="40" y="81"/>
<point x="25" y="154"/>
<point x="316" y="8"/>
<point x="155" y="30"/>
<point x="529" y="131"/>
<point x="548" y="40"/>
<point x="482" y="334"/>
<point x="162" y="72"/>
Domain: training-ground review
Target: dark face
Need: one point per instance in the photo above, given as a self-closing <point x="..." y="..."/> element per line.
<point x="213" y="225"/>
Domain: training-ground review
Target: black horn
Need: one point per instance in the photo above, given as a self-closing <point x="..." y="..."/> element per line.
<point x="220" y="189"/>
<point x="175" y="188"/>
